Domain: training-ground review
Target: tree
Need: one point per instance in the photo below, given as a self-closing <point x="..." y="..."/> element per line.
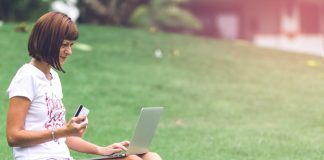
<point x="167" y="15"/>
<point x="17" y="10"/>
<point x="115" y="12"/>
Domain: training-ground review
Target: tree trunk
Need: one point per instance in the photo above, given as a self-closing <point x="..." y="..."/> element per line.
<point x="115" y="12"/>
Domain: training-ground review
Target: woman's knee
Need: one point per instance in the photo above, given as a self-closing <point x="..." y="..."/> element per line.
<point x="132" y="157"/>
<point x="151" y="156"/>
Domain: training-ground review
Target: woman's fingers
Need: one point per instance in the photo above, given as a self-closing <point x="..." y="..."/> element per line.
<point x="83" y="124"/>
<point x="125" y="144"/>
<point x="79" y="119"/>
<point x="109" y="150"/>
<point x="77" y="125"/>
<point x="119" y="146"/>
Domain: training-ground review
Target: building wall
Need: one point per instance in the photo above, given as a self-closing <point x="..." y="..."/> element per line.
<point x="260" y="17"/>
<point x="211" y="14"/>
<point x="296" y="25"/>
<point x="300" y="29"/>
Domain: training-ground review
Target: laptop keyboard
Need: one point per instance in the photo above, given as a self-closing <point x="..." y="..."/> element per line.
<point x="116" y="155"/>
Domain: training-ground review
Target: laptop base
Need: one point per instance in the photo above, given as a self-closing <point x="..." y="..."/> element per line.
<point x="111" y="156"/>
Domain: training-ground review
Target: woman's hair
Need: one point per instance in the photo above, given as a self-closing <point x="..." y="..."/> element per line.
<point x="47" y="37"/>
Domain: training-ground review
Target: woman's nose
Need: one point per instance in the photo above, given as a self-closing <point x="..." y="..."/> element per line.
<point x="68" y="50"/>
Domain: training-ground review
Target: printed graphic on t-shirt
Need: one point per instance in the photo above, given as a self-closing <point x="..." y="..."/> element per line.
<point x="55" y="112"/>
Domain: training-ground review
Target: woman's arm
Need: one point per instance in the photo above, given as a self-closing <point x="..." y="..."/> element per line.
<point x="81" y="145"/>
<point x="17" y="136"/>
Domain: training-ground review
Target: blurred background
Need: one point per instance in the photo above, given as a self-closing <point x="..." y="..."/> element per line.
<point x="293" y="25"/>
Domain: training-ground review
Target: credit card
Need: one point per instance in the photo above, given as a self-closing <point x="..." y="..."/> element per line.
<point x="81" y="111"/>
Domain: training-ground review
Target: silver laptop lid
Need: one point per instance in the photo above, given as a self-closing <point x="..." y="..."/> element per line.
<point x="144" y="130"/>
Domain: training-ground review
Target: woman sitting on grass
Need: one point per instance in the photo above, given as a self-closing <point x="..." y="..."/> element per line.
<point x="36" y="127"/>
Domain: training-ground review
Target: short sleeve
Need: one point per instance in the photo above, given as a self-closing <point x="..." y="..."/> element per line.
<point x="21" y="85"/>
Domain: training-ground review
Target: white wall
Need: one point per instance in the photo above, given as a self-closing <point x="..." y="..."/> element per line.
<point x="309" y="44"/>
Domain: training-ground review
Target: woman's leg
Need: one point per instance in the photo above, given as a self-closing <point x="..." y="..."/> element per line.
<point x="151" y="156"/>
<point x="146" y="156"/>
<point x="131" y="157"/>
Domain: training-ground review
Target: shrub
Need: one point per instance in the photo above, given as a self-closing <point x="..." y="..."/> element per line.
<point x="166" y="15"/>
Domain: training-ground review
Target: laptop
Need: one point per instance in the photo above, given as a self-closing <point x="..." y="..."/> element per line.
<point x="142" y="135"/>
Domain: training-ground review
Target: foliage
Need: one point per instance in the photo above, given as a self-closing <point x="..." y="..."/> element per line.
<point x="114" y="12"/>
<point x="166" y="15"/>
<point x="18" y="10"/>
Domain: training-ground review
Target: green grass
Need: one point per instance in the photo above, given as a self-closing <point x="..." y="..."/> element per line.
<point x="223" y="100"/>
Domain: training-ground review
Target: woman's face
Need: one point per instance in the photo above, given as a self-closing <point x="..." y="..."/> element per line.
<point x="65" y="50"/>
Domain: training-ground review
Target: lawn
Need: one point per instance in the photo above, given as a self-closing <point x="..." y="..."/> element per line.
<point x="224" y="100"/>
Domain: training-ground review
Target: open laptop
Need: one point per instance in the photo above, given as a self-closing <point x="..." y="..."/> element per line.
<point x="142" y="135"/>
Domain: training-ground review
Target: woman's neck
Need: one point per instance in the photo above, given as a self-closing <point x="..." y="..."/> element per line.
<point x="43" y="66"/>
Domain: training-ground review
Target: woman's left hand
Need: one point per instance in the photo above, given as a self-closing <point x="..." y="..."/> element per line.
<point x="116" y="147"/>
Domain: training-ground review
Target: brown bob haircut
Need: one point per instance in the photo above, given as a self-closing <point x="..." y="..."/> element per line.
<point x="47" y="37"/>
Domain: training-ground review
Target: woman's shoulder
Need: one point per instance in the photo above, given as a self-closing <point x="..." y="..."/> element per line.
<point x="28" y="71"/>
<point x="24" y="70"/>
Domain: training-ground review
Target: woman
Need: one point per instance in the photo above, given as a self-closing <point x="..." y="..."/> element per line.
<point x="36" y="127"/>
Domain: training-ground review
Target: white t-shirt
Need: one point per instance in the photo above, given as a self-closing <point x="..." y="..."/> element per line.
<point x="46" y="111"/>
